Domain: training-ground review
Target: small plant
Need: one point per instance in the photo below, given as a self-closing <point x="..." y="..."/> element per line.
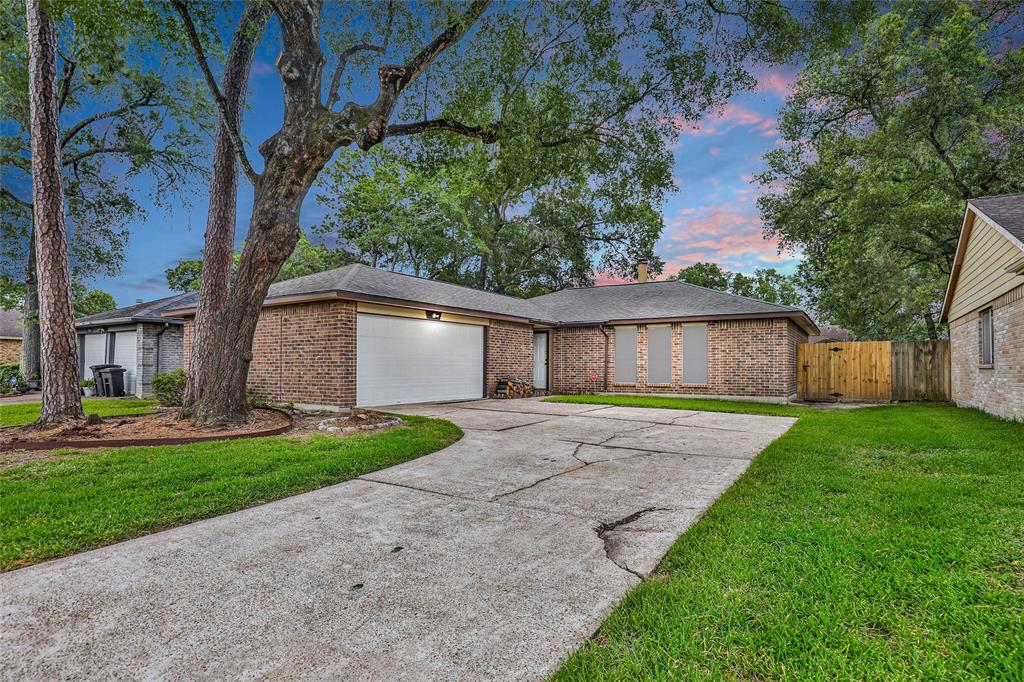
<point x="257" y="399"/>
<point x="88" y="383"/>
<point x="169" y="387"/>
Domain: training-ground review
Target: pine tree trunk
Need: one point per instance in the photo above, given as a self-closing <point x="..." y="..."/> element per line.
<point x="220" y="221"/>
<point x="59" y="347"/>
<point x="30" y="317"/>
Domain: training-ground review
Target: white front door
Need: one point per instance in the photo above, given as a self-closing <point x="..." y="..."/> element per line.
<point x="540" y="360"/>
<point x="408" y="360"/>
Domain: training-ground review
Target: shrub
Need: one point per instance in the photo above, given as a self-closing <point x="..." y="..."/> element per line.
<point x="169" y="387"/>
<point x="9" y="371"/>
<point x="88" y="383"/>
<point x="257" y="399"/>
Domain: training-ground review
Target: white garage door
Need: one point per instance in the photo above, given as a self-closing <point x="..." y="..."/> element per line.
<point x="95" y="352"/>
<point x="124" y="355"/>
<point x="404" y="360"/>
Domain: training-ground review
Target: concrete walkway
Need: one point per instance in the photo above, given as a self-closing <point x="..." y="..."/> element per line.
<point x="492" y="559"/>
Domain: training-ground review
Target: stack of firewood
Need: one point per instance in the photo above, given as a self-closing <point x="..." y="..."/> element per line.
<point x="513" y="388"/>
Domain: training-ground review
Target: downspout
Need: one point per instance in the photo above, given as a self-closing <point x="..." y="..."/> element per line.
<point x="606" y="342"/>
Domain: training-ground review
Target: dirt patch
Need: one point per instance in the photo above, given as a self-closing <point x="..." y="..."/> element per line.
<point x="137" y="430"/>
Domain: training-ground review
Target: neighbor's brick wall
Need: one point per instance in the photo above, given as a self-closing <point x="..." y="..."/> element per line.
<point x="508" y="353"/>
<point x="1000" y="389"/>
<point x="754" y="358"/>
<point x="171" y="349"/>
<point x="303" y="353"/>
<point x="10" y="350"/>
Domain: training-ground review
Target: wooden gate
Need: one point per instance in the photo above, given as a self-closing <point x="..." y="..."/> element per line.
<point x="874" y="371"/>
<point x="851" y="370"/>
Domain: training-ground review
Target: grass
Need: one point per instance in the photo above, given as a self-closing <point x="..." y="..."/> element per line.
<point x="706" y="405"/>
<point x="26" y="413"/>
<point x="51" y="508"/>
<point x="878" y="543"/>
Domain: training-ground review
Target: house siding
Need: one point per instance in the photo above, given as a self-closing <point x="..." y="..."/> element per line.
<point x="999" y="389"/>
<point x="746" y="358"/>
<point x="508" y="353"/>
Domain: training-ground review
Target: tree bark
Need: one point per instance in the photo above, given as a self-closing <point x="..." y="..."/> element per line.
<point x="59" y="347"/>
<point x="220" y="221"/>
<point x="30" y="316"/>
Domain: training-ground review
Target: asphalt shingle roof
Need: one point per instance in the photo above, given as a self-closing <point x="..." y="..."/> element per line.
<point x="1007" y="210"/>
<point x="150" y="310"/>
<point x="653" y="300"/>
<point x="10" y="324"/>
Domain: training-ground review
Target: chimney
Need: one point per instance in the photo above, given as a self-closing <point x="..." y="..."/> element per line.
<point x="641" y="272"/>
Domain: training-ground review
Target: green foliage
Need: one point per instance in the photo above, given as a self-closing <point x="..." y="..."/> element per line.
<point x="88" y="383"/>
<point x="868" y="544"/>
<point x="921" y="109"/>
<point x="8" y="371"/>
<point x="307" y="258"/>
<point x="91" y="302"/>
<point x="169" y="387"/>
<point x="257" y="399"/>
<point x="766" y="284"/>
<point x="65" y="505"/>
<point x="127" y="120"/>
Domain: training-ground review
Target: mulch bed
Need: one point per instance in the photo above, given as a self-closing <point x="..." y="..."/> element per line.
<point x="160" y="428"/>
<point x="20" y="444"/>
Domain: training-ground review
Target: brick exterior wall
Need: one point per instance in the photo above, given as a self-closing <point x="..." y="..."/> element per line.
<point x="10" y="350"/>
<point x="748" y="358"/>
<point x="998" y="390"/>
<point x="508" y="353"/>
<point x="303" y="353"/>
<point x="149" y="341"/>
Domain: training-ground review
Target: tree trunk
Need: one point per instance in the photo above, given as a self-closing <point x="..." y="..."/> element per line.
<point x="30" y="316"/>
<point x="59" y="347"/>
<point x="220" y="221"/>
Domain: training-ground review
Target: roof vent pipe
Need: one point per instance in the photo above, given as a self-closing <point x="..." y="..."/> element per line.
<point x="641" y="272"/>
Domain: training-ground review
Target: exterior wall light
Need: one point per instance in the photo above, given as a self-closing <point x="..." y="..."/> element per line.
<point x="433" y="315"/>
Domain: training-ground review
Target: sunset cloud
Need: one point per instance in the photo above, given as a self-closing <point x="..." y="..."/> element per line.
<point x="778" y="82"/>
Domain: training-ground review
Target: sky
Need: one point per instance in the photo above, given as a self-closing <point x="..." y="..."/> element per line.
<point x="712" y="215"/>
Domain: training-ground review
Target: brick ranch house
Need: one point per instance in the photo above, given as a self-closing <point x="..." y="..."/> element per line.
<point x="984" y="306"/>
<point x="361" y="336"/>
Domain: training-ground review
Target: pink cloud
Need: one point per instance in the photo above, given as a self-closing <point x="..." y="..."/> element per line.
<point x="725" y="119"/>
<point x="777" y="82"/>
<point x="605" y="280"/>
<point x="715" y="151"/>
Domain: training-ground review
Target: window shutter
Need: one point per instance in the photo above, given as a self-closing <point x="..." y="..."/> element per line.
<point x="695" y="354"/>
<point x="625" y="355"/>
<point x="659" y="354"/>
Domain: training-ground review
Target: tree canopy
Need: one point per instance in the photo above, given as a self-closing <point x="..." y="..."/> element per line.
<point x="887" y="136"/>
<point x="765" y="284"/>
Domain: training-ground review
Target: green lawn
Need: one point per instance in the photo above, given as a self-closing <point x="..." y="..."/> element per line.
<point x="878" y="543"/>
<point x="51" y="508"/>
<point x="25" y="413"/>
<point x="683" y="404"/>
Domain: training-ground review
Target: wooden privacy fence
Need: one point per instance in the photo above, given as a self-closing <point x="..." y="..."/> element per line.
<point x="875" y="371"/>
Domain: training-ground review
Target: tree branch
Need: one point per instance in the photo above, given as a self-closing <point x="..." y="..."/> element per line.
<point x="145" y="100"/>
<point x="394" y="79"/>
<point x="14" y="197"/>
<point x="486" y="133"/>
<point x="332" y="93"/>
<point x="230" y="123"/>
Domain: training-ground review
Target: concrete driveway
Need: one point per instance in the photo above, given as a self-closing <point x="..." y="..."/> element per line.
<point x="492" y="559"/>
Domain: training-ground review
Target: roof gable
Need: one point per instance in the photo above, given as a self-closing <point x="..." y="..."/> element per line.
<point x="977" y="221"/>
<point x="10" y="324"/>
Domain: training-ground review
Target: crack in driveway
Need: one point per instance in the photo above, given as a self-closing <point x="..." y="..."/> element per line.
<point x="603" y="529"/>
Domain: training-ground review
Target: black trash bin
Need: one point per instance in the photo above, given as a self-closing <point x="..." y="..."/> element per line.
<point x="96" y="369"/>
<point x="112" y="378"/>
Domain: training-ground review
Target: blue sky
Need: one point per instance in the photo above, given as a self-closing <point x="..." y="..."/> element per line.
<point x="712" y="216"/>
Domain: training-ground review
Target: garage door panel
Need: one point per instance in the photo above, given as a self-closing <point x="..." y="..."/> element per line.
<point x="403" y="360"/>
<point x="94" y="351"/>
<point x="124" y="355"/>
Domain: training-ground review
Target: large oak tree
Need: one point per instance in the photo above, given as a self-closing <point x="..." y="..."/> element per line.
<point x="675" y="57"/>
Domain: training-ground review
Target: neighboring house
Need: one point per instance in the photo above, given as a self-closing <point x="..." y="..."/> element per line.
<point x="136" y="337"/>
<point x="831" y="333"/>
<point x="361" y="336"/>
<point x="10" y="336"/>
<point x="984" y="306"/>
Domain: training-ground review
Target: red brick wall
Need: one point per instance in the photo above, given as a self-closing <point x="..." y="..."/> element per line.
<point x="754" y="358"/>
<point x="508" y="353"/>
<point x="998" y="390"/>
<point x="577" y="359"/>
<point x="303" y="353"/>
